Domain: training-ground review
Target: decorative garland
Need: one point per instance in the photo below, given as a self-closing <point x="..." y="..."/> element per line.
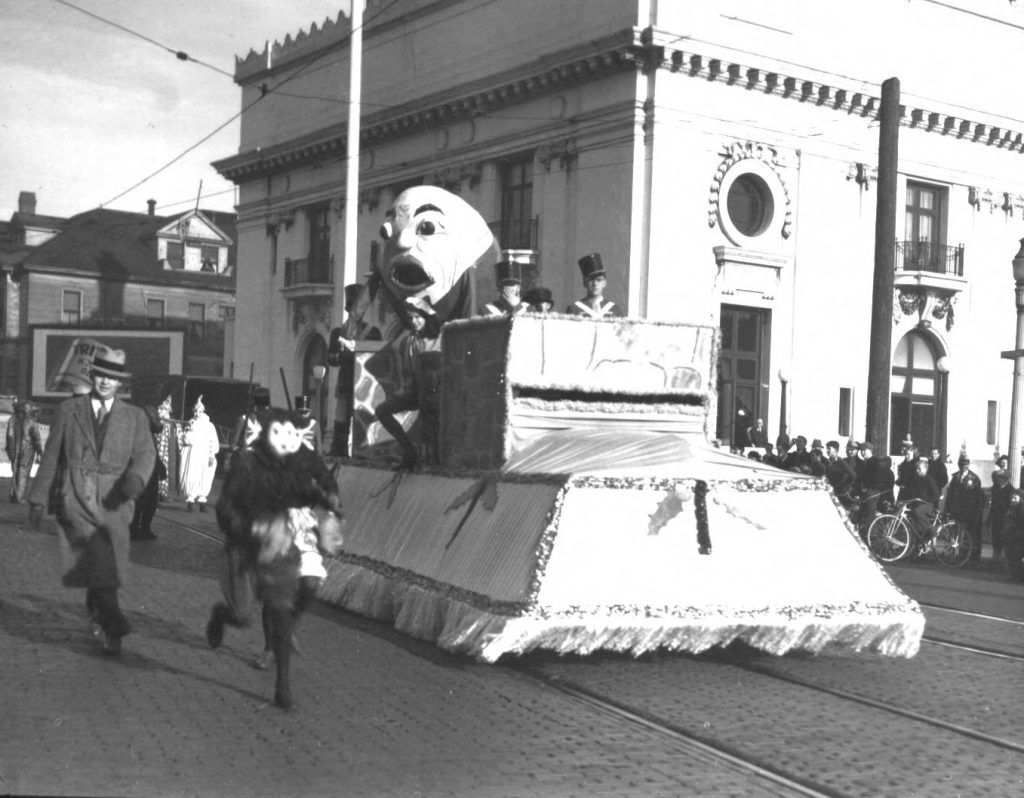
<point x="643" y="404"/>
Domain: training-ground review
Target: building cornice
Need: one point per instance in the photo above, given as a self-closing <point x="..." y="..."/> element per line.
<point x="629" y="49"/>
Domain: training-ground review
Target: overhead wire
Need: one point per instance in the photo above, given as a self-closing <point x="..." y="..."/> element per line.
<point x="181" y="55"/>
<point x="301" y="70"/>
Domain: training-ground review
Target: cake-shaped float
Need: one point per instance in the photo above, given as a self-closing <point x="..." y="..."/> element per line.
<point x="576" y="505"/>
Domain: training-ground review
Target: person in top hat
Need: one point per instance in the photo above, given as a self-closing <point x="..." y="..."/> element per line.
<point x="24" y="445"/>
<point x="310" y="431"/>
<point x="341" y="354"/>
<point x="509" y="276"/>
<point x="259" y="400"/>
<point x="595" y="279"/>
<point x="420" y="338"/>
<point x="101" y="451"/>
<point x="540" y="300"/>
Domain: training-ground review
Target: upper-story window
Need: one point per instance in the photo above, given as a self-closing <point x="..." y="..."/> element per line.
<point x="749" y="204"/>
<point x="176" y="254"/>
<point x="71" y="307"/>
<point x="924" y="247"/>
<point x="196" y="322"/>
<point x="517" y="224"/>
<point x="208" y="258"/>
<point x="319" y="234"/>
<point x="155" y="311"/>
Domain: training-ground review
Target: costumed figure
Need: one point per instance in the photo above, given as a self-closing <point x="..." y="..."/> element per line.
<point x="278" y="508"/>
<point x="141" y="527"/>
<point x="540" y="300"/>
<point x="420" y="338"/>
<point x="509" y="276"/>
<point x="341" y="356"/>
<point x="303" y="406"/>
<point x="199" y="447"/>
<point x="167" y="448"/>
<point x="259" y="400"/>
<point x="23" y="447"/>
<point x="594" y="304"/>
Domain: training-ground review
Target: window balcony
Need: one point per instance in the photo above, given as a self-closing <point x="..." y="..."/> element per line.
<point x="516" y="233"/>
<point x="922" y="264"/>
<point x="308" y="276"/>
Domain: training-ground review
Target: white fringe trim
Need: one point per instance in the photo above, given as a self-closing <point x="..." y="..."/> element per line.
<point x="455" y="626"/>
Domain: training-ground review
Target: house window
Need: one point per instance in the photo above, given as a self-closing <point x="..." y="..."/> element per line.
<point x="176" y="254"/>
<point x="924" y="249"/>
<point x="155" y="309"/>
<point x="71" y="307"/>
<point x="517" y="205"/>
<point x="208" y="257"/>
<point x="196" y="322"/>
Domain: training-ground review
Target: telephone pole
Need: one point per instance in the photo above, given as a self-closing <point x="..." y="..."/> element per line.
<point x="880" y="353"/>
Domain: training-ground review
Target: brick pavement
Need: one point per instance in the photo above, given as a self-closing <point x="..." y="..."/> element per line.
<point x="377" y="714"/>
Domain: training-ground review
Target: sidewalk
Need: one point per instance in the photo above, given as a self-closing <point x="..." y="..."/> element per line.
<point x="377" y="714"/>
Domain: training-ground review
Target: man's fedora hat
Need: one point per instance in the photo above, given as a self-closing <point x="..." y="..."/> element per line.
<point x="537" y="295"/>
<point x="591" y="266"/>
<point x="110" y="363"/>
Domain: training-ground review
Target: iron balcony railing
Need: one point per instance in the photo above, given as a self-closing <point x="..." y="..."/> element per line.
<point x="516" y="233"/>
<point x="924" y="256"/>
<point x="309" y="271"/>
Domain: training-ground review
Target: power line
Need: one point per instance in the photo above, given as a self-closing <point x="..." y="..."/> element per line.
<point x="181" y="55"/>
<point x="219" y="128"/>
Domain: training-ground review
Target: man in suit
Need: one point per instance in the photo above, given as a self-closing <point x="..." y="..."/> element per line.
<point x="97" y="460"/>
<point x="965" y="501"/>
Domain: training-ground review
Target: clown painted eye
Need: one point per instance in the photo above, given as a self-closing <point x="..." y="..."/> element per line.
<point x="386" y="230"/>
<point x="426" y="228"/>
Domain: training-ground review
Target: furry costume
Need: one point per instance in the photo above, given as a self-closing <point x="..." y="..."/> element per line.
<point x="277" y="494"/>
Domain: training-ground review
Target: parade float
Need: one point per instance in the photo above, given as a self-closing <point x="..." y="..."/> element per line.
<point x="574" y="503"/>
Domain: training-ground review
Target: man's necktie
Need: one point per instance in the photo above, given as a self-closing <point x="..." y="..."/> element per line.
<point x="101" y="413"/>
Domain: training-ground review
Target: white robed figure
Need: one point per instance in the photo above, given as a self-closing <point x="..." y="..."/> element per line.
<point x="198" y="464"/>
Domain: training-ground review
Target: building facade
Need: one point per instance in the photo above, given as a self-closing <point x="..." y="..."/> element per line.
<point x="722" y="159"/>
<point x="118" y="271"/>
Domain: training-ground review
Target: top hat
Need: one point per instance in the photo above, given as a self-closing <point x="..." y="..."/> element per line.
<point x="508" y="272"/>
<point x="352" y="292"/>
<point x="537" y="295"/>
<point x="302" y="403"/>
<point x="816" y="443"/>
<point x="420" y="305"/>
<point x="110" y="363"/>
<point x="260" y="397"/>
<point x="591" y="266"/>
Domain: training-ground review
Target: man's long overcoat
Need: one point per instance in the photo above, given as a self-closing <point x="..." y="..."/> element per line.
<point x="76" y="479"/>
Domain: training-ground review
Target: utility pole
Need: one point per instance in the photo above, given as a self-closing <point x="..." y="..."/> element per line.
<point x="876" y="424"/>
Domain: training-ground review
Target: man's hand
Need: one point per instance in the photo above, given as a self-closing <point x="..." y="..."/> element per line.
<point x="35" y="515"/>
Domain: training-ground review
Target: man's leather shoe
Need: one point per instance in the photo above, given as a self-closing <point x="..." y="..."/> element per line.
<point x="146" y="535"/>
<point x="112" y="646"/>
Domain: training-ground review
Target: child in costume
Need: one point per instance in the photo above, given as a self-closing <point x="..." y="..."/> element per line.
<point x="279" y="506"/>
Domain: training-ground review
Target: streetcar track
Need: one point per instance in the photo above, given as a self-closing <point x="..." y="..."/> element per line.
<point x="972" y="614"/>
<point x="803" y="787"/>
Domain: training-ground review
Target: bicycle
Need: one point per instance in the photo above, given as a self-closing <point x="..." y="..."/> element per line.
<point x="892" y="537"/>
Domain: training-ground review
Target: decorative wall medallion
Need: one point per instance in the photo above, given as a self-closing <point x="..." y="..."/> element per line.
<point x="753" y="170"/>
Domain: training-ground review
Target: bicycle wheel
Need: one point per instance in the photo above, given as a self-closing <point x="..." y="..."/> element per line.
<point x="952" y="545"/>
<point x="889" y="538"/>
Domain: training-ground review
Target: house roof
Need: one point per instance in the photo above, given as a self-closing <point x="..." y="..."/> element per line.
<point x="120" y="245"/>
<point x="24" y="220"/>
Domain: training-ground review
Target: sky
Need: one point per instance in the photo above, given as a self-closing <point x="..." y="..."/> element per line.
<point x="88" y="110"/>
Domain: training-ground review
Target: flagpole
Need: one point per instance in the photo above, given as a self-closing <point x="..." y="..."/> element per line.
<point x="350" y="268"/>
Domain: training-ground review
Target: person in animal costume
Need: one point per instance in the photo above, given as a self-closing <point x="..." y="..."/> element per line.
<point x="278" y="508"/>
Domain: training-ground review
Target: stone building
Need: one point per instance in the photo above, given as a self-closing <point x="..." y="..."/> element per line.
<point x="720" y="156"/>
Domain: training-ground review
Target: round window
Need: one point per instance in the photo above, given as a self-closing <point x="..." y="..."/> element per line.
<point x="750" y="204"/>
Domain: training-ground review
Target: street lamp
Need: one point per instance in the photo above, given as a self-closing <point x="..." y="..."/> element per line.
<point x="1017" y="354"/>
<point x="784" y="379"/>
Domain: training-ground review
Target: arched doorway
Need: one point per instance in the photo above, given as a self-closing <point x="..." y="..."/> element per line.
<point x="918" y="391"/>
<point x="316" y="387"/>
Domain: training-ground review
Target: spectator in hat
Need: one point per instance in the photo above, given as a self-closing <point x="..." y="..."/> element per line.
<point x="595" y="280"/>
<point x="420" y="338"/>
<point x="937" y="468"/>
<point x="853" y="460"/>
<point x="839" y="474"/>
<point x="876" y="481"/>
<point x="965" y="501"/>
<point x="100" y="451"/>
<point x="1000" y="492"/>
<point x="509" y="276"/>
<point x="24" y="445"/>
<point x="540" y="300"/>
<point x="908" y="466"/>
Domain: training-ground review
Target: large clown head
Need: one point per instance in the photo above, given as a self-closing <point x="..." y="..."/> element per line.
<point x="431" y="238"/>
